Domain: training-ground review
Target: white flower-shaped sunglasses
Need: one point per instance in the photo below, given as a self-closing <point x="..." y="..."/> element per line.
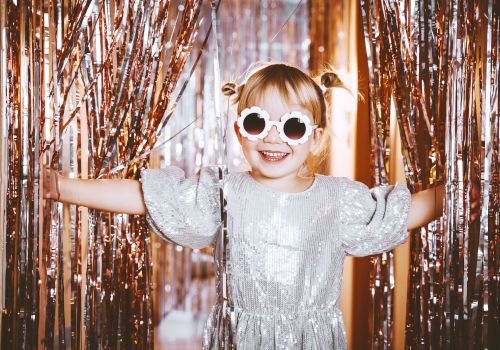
<point x="294" y="127"/>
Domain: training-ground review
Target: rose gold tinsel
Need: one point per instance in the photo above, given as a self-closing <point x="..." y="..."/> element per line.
<point x="438" y="63"/>
<point x="87" y="85"/>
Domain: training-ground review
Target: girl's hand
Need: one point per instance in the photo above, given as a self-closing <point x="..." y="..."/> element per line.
<point x="426" y="206"/>
<point x="50" y="188"/>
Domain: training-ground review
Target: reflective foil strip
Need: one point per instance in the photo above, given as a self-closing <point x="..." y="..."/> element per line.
<point x="381" y="275"/>
<point x="228" y="320"/>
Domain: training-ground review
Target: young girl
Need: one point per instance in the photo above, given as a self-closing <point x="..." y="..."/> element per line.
<point x="288" y="232"/>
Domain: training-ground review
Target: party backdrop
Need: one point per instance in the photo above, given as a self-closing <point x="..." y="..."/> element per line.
<point x="434" y="65"/>
<point x="101" y="89"/>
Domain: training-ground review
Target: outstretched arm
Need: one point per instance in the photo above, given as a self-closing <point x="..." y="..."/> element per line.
<point x="426" y="206"/>
<point x="119" y="196"/>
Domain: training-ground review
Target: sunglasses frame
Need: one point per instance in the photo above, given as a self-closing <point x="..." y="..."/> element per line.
<point x="279" y="125"/>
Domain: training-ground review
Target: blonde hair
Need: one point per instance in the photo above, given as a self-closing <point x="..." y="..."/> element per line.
<point x="295" y="87"/>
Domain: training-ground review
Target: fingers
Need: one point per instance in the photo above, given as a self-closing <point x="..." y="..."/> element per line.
<point x="50" y="188"/>
<point x="54" y="183"/>
<point x="45" y="176"/>
<point x="475" y="203"/>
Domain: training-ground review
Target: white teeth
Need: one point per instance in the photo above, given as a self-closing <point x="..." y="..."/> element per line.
<point x="274" y="154"/>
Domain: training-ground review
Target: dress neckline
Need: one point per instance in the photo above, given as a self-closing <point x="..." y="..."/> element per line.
<point x="268" y="189"/>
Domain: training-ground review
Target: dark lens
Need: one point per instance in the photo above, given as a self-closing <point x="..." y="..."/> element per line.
<point x="294" y="128"/>
<point x="254" y="124"/>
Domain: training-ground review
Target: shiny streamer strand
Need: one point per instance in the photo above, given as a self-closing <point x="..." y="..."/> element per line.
<point x="228" y="326"/>
<point x="171" y="109"/>
<point x="380" y="309"/>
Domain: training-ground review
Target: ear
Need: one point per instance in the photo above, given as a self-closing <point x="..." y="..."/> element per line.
<point x="237" y="132"/>
<point x="317" y="136"/>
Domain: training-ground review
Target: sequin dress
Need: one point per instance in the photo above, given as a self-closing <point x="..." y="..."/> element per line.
<point x="286" y="249"/>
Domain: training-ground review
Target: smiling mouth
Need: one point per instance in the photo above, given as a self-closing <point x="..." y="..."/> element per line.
<point x="273" y="156"/>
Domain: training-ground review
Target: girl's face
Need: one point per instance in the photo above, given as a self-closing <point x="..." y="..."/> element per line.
<point x="270" y="157"/>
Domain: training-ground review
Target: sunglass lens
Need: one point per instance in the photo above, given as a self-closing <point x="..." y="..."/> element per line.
<point x="294" y="128"/>
<point x="254" y="124"/>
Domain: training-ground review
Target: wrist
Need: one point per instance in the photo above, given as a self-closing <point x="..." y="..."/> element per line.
<point x="69" y="190"/>
<point x="62" y="186"/>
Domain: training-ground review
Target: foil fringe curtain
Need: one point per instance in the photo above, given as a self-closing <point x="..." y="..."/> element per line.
<point x="436" y="63"/>
<point x="77" y="75"/>
<point x="87" y="85"/>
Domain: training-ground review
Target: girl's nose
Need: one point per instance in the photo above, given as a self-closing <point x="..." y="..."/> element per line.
<point x="272" y="136"/>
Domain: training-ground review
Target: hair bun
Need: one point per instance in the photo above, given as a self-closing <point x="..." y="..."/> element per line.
<point x="331" y="80"/>
<point x="229" y="89"/>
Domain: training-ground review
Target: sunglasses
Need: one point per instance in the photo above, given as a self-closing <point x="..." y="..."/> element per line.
<point x="294" y="128"/>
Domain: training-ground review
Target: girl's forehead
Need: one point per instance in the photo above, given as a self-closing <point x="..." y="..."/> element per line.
<point x="272" y="99"/>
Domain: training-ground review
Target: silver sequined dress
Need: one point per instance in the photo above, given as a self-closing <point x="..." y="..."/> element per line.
<point x="286" y="249"/>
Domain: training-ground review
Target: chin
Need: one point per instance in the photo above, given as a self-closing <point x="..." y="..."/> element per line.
<point x="272" y="173"/>
<point x="275" y="171"/>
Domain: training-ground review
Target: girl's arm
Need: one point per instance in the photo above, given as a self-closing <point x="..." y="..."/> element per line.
<point x="425" y="207"/>
<point x="119" y="196"/>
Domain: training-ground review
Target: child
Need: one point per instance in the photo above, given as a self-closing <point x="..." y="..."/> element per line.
<point x="289" y="231"/>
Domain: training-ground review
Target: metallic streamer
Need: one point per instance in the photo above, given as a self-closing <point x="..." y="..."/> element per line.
<point x="379" y="72"/>
<point x="87" y="85"/>
<point x="438" y="63"/>
<point x="222" y="261"/>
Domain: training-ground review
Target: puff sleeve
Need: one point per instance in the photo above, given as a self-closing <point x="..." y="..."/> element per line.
<point x="183" y="210"/>
<point x="374" y="220"/>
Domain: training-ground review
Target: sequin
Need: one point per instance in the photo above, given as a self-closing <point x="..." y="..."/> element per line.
<point x="287" y="249"/>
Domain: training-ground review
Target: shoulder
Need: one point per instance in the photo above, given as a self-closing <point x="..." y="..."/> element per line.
<point x="342" y="190"/>
<point x="160" y="177"/>
<point x="175" y="176"/>
<point x="352" y="198"/>
<point x="236" y="175"/>
<point x="343" y="184"/>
